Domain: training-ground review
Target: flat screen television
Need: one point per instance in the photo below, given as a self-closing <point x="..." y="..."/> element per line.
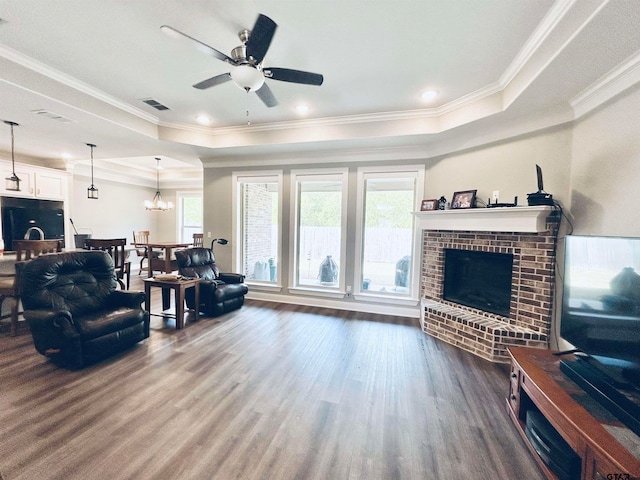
<point x="601" y="319"/>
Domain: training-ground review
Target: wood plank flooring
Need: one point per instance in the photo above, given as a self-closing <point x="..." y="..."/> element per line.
<point x="267" y="392"/>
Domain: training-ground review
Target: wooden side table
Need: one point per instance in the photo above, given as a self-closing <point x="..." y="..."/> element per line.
<point x="179" y="286"/>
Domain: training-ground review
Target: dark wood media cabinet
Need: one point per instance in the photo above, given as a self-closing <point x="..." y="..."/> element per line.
<point x="607" y="449"/>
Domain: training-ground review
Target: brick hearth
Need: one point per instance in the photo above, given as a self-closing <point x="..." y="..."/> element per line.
<point x="486" y="334"/>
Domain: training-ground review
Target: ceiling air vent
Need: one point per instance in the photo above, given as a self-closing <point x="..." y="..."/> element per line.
<point x="155" y="104"/>
<point x="51" y="115"/>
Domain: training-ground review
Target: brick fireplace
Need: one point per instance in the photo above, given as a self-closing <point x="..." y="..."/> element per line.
<point x="529" y="234"/>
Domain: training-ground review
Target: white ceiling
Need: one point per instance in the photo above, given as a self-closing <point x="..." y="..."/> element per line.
<point x="495" y="64"/>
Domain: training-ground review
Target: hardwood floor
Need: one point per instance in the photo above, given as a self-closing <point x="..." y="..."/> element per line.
<point x="267" y="392"/>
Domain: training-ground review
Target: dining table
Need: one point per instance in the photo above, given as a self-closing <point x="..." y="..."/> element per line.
<point x="165" y="264"/>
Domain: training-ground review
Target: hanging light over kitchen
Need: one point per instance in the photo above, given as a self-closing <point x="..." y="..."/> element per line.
<point x="92" y="191"/>
<point x="12" y="182"/>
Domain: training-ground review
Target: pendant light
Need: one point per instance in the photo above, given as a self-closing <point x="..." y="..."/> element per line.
<point x="157" y="203"/>
<point x="92" y="191"/>
<point x="13" y="182"/>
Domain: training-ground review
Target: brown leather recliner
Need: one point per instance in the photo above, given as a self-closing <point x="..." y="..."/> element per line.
<point x="75" y="313"/>
<point x="219" y="292"/>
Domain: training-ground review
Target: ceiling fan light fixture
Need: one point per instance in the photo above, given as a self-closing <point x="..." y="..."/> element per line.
<point x="247" y="71"/>
<point x="248" y="78"/>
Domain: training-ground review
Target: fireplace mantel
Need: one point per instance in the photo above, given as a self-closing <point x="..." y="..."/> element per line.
<point x="501" y="219"/>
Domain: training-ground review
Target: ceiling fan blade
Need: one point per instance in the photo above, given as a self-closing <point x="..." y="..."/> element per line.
<point x="203" y="47"/>
<point x="266" y="95"/>
<point x="213" y="81"/>
<point x="260" y="38"/>
<point x="293" y="76"/>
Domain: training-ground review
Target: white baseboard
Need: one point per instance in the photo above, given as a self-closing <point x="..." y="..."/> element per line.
<point x="354" y="306"/>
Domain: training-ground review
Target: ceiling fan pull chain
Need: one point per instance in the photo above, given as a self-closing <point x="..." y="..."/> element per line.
<point x="246" y="102"/>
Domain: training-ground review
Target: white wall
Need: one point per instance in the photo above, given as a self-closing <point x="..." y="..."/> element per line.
<point x="605" y="175"/>
<point x="507" y="166"/>
<point x="119" y="211"/>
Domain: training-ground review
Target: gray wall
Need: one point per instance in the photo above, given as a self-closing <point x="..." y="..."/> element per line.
<point x="119" y="210"/>
<point x="605" y="173"/>
<point x="507" y="166"/>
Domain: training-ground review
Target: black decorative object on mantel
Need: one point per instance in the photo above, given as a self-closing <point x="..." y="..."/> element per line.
<point x="492" y="205"/>
<point x="442" y="203"/>
<point x="540" y="197"/>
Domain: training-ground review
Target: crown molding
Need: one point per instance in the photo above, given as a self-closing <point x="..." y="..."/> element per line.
<point x="417" y="114"/>
<point x="613" y="83"/>
<point x="563" y="22"/>
<point x="548" y="25"/>
<point x="468" y="101"/>
<point x="187" y="178"/>
<point x="72" y="82"/>
<point x="556" y="118"/>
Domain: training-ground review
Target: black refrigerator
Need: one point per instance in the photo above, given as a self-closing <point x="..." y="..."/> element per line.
<point x="19" y="214"/>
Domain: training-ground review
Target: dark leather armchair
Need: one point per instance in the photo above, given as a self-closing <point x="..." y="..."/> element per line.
<point x="219" y="292"/>
<point x="75" y="313"/>
<point x="8" y="283"/>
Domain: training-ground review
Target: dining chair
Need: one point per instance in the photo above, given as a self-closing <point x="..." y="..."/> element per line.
<point x="116" y="248"/>
<point x="33" y="248"/>
<point x="198" y="239"/>
<point x="8" y="281"/>
<point x="140" y="241"/>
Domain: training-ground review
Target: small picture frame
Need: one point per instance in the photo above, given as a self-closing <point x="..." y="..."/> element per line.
<point x="428" y="205"/>
<point x="464" y="199"/>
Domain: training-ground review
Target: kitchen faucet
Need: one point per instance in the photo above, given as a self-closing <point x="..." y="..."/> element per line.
<point x="27" y="235"/>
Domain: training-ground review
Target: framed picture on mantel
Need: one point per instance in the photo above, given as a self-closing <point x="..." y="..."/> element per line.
<point x="429" y="205"/>
<point x="465" y="199"/>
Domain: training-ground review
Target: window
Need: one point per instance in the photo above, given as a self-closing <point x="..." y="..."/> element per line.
<point x="387" y="244"/>
<point x="189" y="215"/>
<point x="319" y="225"/>
<point x="257" y="223"/>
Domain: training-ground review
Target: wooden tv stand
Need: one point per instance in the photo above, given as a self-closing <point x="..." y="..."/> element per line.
<point x="608" y="450"/>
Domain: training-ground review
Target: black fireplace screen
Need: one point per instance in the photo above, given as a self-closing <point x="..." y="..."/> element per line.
<point x="480" y="280"/>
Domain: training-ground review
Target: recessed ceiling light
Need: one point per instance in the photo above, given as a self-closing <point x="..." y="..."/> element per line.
<point x="203" y="119"/>
<point x="302" y="109"/>
<point x="66" y="155"/>
<point x="429" y="95"/>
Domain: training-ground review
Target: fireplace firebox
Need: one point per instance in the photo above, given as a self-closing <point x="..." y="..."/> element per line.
<point x="478" y="279"/>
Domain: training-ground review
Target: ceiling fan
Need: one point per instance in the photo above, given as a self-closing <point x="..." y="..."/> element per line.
<point x="246" y="59"/>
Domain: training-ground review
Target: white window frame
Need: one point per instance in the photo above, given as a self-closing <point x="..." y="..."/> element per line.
<point x="363" y="174"/>
<point x="327" y="174"/>
<point x="180" y="195"/>
<point x="259" y="176"/>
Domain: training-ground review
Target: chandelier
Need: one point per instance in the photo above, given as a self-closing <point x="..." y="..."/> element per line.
<point x="157" y="203"/>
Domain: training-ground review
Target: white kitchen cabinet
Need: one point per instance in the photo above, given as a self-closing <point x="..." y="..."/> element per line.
<point x="50" y="185"/>
<point x="35" y="182"/>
